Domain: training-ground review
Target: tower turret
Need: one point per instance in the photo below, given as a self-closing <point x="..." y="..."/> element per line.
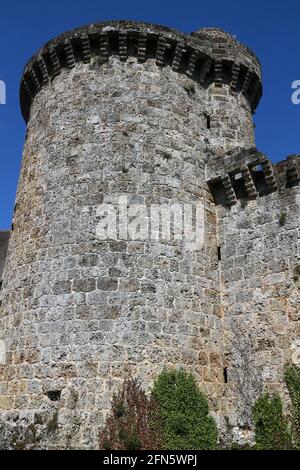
<point x="117" y="110"/>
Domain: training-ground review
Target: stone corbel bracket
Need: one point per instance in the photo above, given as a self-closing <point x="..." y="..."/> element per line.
<point x="203" y="57"/>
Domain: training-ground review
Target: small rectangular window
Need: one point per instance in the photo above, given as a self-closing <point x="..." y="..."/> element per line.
<point x="208" y="121"/>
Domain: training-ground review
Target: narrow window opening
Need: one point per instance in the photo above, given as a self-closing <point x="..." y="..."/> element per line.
<point x="225" y="373"/>
<point x="219" y="253"/>
<point x="208" y="123"/>
<point x="54" y="395"/>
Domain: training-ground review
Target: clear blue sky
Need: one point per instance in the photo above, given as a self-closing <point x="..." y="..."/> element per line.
<point x="270" y="28"/>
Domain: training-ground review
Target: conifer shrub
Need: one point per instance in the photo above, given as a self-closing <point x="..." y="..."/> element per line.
<point x="271" y="426"/>
<point x="183" y="410"/>
<point x="292" y="380"/>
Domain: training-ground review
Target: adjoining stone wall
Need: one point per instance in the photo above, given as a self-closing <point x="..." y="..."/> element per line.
<point x="4" y="238"/>
<point x="260" y="281"/>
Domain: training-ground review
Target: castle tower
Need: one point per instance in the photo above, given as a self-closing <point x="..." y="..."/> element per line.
<point x="112" y="110"/>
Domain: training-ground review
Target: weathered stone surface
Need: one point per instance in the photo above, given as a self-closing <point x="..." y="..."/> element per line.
<point x="4" y="238"/>
<point x="169" y="120"/>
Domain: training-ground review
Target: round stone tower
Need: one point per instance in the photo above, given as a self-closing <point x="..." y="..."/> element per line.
<point x="121" y="116"/>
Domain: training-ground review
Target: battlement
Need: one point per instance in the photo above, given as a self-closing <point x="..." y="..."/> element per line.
<point x="206" y="56"/>
<point x="243" y="175"/>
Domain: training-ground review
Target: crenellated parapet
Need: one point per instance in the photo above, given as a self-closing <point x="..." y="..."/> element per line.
<point x="207" y="56"/>
<point x="248" y="174"/>
<point x="288" y="171"/>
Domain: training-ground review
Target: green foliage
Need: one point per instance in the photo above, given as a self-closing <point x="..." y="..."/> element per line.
<point x="292" y="380"/>
<point x="271" y="428"/>
<point x="120" y="409"/>
<point x="184" y="412"/>
<point x="237" y="446"/>
<point x="52" y="424"/>
<point x="190" y="88"/>
<point x="296" y="273"/>
<point x="132" y="440"/>
<point x="282" y="219"/>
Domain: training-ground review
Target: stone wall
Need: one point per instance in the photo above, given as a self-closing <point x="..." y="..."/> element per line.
<point x="4" y="238"/>
<point x="161" y="117"/>
<point x="258" y="235"/>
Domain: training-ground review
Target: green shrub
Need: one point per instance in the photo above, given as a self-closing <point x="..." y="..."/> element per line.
<point x="237" y="446"/>
<point x="271" y="428"/>
<point x="292" y="380"/>
<point x="282" y="219"/>
<point x="184" y="410"/>
<point x="52" y="424"/>
<point x="132" y="440"/>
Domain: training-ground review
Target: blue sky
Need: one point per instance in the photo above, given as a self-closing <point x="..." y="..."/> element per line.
<point x="270" y="28"/>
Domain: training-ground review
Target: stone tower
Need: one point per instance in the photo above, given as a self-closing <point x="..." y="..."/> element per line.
<point x="137" y="110"/>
